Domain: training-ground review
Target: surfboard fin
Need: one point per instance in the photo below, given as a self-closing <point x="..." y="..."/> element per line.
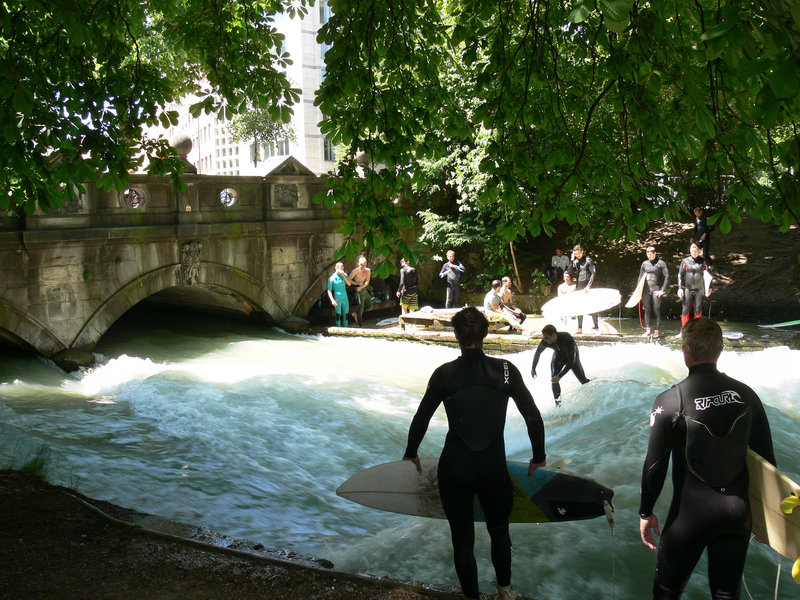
<point x="609" y="515"/>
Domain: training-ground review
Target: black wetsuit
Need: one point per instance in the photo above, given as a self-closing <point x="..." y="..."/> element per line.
<point x="690" y="280"/>
<point x="565" y="357"/>
<point x="583" y="271"/>
<point x="475" y="389"/>
<point x="701" y="227"/>
<point x="710" y="507"/>
<point x="652" y="303"/>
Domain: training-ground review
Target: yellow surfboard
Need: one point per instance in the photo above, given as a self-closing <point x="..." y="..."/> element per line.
<point x="768" y="488"/>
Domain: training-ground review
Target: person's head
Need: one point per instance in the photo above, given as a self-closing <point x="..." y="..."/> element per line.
<point x="403" y="262"/>
<point x="506" y="282"/>
<point x="339" y="266"/>
<point x="496" y="284"/>
<point x="470" y="326"/>
<point x="559" y="251"/>
<point x="549" y="334"/>
<point x="451" y="255"/>
<point x="698" y="212"/>
<point x="702" y="341"/>
<point x="578" y="251"/>
<point x="567" y="278"/>
<point x="362" y="262"/>
<point x="694" y="250"/>
<point x="651" y="252"/>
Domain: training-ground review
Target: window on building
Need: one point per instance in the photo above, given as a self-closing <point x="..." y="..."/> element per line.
<point x="324" y="12"/>
<point x="328" y="151"/>
<point x="283" y="147"/>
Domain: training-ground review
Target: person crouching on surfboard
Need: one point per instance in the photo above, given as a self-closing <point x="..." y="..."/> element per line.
<point x="475" y="389"/>
<point x="706" y="422"/>
<point x="565" y="358"/>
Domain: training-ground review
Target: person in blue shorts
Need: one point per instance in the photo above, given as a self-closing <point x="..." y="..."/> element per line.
<point x="337" y="293"/>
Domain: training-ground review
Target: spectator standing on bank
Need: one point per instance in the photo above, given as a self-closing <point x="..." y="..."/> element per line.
<point x="407" y="290"/>
<point x="452" y="271"/>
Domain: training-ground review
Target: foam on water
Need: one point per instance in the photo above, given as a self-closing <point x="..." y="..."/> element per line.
<point x="251" y="436"/>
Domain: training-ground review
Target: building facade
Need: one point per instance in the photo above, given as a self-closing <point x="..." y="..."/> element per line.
<point x="215" y="153"/>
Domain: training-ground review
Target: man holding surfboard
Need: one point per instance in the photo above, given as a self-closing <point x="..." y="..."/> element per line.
<point x="475" y="389"/>
<point x="706" y="423"/>
<point x="584" y="267"/>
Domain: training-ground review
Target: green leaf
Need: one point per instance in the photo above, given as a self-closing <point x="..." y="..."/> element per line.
<point x="22" y="101"/>
<point x="783" y="81"/>
<point x="579" y="14"/>
<point x="719" y="30"/>
<point x="724" y="225"/>
<point x="616" y="10"/>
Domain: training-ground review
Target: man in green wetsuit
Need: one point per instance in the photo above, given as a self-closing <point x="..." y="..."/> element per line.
<point x="337" y="293"/>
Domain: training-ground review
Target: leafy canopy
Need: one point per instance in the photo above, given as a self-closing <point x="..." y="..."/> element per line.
<point x="80" y="80"/>
<point x="605" y="114"/>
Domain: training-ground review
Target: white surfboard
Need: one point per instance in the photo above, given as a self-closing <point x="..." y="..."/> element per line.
<point x="708" y="277"/>
<point x="636" y="296"/>
<point x="768" y="488"/>
<point x="582" y="302"/>
<point x="551" y="495"/>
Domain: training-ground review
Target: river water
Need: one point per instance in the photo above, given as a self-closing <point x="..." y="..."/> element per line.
<point x="249" y="431"/>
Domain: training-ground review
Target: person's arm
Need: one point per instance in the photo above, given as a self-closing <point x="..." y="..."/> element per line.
<point x="402" y="286"/>
<point x="445" y="269"/>
<point x="458" y="266"/>
<point x="419" y="424"/>
<point x="533" y="418"/>
<point x="641" y="273"/>
<point x="760" y="434"/>
<point x="539" y="349"/>
<point x="330" y="294"/>
<point x="592" y="270"/>
<point x="656" y="462"/>
<point x="665" y="273"/>
<point x="681" y="275"/>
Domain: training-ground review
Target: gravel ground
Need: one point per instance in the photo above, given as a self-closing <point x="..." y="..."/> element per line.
<point x="56" y="543"/>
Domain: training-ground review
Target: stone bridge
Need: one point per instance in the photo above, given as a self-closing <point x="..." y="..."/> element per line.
<point x="256" y="245"/>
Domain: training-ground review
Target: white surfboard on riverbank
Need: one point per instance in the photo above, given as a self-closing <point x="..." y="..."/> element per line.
<point x="581" y="302"/>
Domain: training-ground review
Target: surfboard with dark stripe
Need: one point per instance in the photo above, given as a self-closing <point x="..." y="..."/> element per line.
<point x="551" y="495"/>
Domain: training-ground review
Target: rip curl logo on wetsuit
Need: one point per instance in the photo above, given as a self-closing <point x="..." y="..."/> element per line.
<point x="729" y="397"/>
<point x="505" y="371"/>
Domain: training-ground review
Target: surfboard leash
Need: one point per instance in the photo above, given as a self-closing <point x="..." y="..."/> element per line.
<point x="777" y="577"/>
<point x="609" y="510"/>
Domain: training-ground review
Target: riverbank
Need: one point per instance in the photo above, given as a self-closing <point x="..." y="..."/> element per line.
<point x="56" y="543"/>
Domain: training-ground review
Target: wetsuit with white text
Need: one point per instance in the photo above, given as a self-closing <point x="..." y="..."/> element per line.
<point x="475" y="390"/>
<point x="705" y="423"/>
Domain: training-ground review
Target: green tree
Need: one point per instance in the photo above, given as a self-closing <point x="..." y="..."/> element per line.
<point x="605" y="114"/>
<point x="80" y="80"/>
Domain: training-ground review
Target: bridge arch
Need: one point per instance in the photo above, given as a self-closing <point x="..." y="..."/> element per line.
<point x="22" y="329"/>
<point x="316" y="288"/>
<point x="211" y="276"/>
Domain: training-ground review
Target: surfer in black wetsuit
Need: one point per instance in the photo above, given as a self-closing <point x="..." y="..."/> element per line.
<point x="565" y="358"/>
<point x="653" y="291"/>
<point x="583" y="272"/>
<point x="475" y="389"/>
<point x="702" y="234"/>
<point x="691" y="284"/>
<point x="706" y="422"/>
